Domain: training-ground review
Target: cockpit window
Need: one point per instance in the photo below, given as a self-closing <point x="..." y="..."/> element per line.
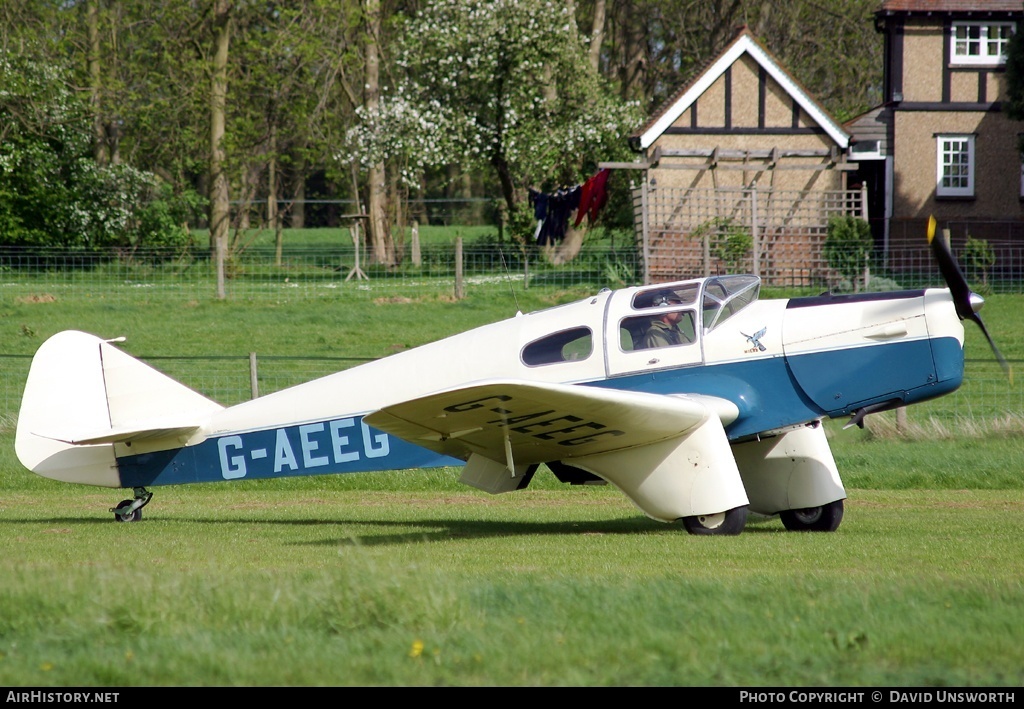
<point x="565" y="346"/>
<point x="664" y="329"/>
<point x="680" y="293"/>
<point x="724" y="296"/>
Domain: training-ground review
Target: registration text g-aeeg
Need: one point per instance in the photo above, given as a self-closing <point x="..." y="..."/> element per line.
<point x="319" y="446"/>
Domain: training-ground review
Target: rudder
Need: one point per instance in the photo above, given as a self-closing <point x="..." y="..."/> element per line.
<point x="83" y="396"/>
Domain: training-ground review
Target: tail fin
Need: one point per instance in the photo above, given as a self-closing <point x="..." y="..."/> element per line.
<point x="83" y="396"/>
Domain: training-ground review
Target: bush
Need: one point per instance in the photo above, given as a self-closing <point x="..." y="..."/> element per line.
<point x="848" y="246"/>
<point x="53" y="193"/>
<point x="729" y="241"/>
<point x="979" y="257"/>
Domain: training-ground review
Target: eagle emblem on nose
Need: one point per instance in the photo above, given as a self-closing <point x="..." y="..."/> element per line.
<point x="755" y="339"/>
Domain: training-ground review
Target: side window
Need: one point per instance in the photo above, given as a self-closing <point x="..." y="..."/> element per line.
<point x="565" y="346"/>
<point x="667" y="329"/>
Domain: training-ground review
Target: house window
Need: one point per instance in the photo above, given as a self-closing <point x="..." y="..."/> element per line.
<point x="980" y="42"/>
<point x="955" y="176"/>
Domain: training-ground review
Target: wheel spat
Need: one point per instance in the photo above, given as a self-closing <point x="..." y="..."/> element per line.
<point x="965" y="301"/>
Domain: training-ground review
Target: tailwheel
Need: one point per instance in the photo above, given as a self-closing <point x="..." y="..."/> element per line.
<point x="825" y="518"/>
<point x="730" y="522"/>
<point x="131" y="510"/>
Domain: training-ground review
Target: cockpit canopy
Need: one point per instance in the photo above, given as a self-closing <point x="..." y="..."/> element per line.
<point x="698" y="307"/>
<point x="721" y="297"/>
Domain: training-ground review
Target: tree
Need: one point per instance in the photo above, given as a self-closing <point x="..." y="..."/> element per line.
<point x="383" y="250"/>
<point x="506" y="85"/>
<point x="52" y="190"/>
<point x="831" y="48"/>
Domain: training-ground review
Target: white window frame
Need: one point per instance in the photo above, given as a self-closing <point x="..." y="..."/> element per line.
<point x="955" y="165"/>
<point x="980" y="43"/>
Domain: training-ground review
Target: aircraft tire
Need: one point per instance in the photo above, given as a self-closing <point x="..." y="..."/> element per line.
<point x="731" y="522"/>
<point x="133" y="517"/>
<point x="825" y="518"/>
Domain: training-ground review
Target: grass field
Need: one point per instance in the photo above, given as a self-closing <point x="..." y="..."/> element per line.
<point x="410" y="579"/>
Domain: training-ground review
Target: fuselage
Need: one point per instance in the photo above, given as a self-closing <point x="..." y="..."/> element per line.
<point x="779" y="363"/>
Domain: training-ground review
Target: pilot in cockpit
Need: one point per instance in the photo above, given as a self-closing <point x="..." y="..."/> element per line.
<point x="663" y="330"/>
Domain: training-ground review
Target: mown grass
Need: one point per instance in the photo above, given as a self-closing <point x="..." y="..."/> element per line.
<point x="410" y="579"/>
<point x="289" y="585"/>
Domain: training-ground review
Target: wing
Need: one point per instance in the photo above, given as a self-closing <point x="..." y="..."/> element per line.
<point x="529" y="422"/>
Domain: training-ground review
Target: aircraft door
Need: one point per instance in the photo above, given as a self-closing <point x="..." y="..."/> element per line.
<point x="645" y="331"/>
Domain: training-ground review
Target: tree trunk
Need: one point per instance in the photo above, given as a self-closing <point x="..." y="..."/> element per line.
<point x="568" y="249"/>
<point x="381" y="244"/>
<point x="273" y="218"/>
<point x="505" y="179"/>
<point x="298" y="196"/>
<point x="220" y="209"/>
<point x="597" y="35"/>
<point x="99" y="138"/>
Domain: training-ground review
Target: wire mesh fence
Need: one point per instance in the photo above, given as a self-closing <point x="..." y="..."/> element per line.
<point x="300" y="273"/>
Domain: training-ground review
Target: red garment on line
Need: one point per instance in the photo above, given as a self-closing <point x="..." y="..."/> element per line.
<point x="593" y="196"/>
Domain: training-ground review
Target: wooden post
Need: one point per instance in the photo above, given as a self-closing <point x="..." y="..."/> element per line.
<point x="253" y="376"/>
<point x="417" y="258"/>
<point x="705" y="247"/>
<point x="220" y="247"/>
<point x="459" y="292"/>
<point x="645" y="225"/>
<point x="356" y="240"/>
<point x="756" y="245"/>
<point x="864" y="216"/>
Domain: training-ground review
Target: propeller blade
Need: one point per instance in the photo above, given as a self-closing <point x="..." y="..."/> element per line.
<point x="995" y="350"/>
<point x="951" y="273"/>
<point x="960" y="289"/>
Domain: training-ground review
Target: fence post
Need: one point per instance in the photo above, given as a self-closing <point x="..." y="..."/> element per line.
<point x="705" y="247"/>
<point x="458" y="269"/>
<point x="219" y="246"/>
<point x="253" y="378"/>
<point x="756" y="241"/>
<point x="417" y="259"/>
<point x="645" y="226"/>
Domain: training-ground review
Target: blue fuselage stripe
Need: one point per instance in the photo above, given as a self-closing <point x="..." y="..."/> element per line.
<point x="770" y="392"/>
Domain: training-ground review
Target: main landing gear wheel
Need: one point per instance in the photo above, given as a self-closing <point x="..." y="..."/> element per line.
<point x="825" y="518"/>
<point x="131" y="510"/>
<point x="730" y="522"/>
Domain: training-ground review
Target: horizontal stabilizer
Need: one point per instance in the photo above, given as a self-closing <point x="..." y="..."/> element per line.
<point x="126" y="434"/>
<point x="84" y="394"/>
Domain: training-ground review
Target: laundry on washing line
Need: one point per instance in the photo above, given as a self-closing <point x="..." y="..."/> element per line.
<point x="593" y="196"/>
<point x="553" y="210"/>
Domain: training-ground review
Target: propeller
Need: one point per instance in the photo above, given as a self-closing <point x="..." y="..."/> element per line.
<point x="967" y="304"/>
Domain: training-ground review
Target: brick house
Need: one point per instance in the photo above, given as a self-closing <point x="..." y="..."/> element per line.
<point x="741" y="148"/>
<point x="940" y="144"/>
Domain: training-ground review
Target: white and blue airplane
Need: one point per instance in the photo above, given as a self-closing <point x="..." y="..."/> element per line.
<point x="723" y="418"/>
